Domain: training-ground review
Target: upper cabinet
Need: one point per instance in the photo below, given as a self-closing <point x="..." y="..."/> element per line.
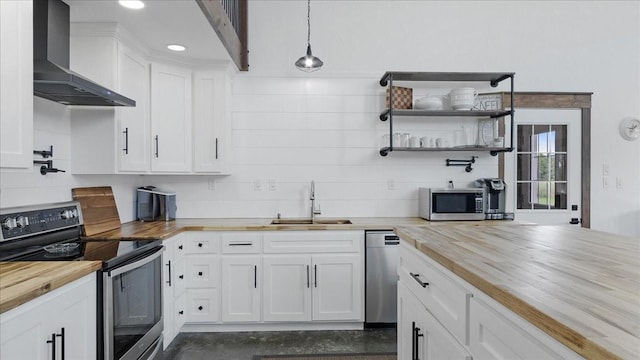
<point x="16" y="85"/>
<point x="178" y="125"/>
<point x="170" y="118"/>
<point x="459" y="102"/>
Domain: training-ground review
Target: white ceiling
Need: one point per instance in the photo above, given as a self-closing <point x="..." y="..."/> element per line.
<point x="159" y="23"/>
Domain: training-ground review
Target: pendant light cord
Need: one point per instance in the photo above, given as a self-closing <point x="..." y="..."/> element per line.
<point x="309" y="22"/>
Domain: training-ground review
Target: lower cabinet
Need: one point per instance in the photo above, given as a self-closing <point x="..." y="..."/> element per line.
<point x="241" y="288"/>
<point x="312" y="287"/>
<point x="173" y="290"/>
<point x="440" y="316"/>
<point x="420" y="335"/>
<point x="65" y="319"/>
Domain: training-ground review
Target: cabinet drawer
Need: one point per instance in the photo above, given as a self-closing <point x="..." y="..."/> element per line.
<point x="444" y="298"/>
<point x="243" y="242"/>
<point x="202" y="271"/>
<point x="495" y="337"/>
<point x="281" y="242"/>
<point x="202" y="242"/>
<point x="202" y="306"/>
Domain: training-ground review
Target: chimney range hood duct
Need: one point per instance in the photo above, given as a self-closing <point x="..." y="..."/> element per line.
<point x="52" y="78"/>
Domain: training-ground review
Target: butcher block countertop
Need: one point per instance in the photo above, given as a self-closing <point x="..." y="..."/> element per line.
<point x="580" y="286"/>
<point x="23" y="281"/>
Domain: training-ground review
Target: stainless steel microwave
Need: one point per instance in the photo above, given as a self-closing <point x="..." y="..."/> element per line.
<point x="451" y="204"/>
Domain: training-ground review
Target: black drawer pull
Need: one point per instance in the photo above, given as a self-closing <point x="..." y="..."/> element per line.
<point x="200" y="308"/>
<point x="180" y="247"/>
<point x="181" y="276"/>
<point x="199" y="244"/>
<point x="241" y="244"/>
<point x="180" y="312"/>
<point x="199" y="273"/>
<point x="416" y="277"/>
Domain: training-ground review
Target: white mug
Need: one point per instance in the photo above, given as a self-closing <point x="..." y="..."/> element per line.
<point x="439" y="142"/>
<point x="414" y="142"/>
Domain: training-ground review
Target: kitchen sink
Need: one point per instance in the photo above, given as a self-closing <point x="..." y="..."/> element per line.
<point x="307" y="221"/>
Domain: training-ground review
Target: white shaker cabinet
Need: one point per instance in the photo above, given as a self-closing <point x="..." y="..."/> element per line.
<point x="287" y="287"/>
<point x="211" y="91"/>
<point x="171" y="105"/>
<point x="420" y="335"/>
<point x="173" y="290"/>
<point x="241" y="288"/>
<point x="66" y="315"/>
<point x="16" y="84"/>
<point x="337" y="287"/>
<point x="133" y="122"/>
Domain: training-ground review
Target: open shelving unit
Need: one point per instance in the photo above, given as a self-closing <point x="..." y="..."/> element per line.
<point x="492" y="78"/>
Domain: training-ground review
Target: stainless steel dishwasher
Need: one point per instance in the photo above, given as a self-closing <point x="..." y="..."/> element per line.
<point x="381" y="275"/>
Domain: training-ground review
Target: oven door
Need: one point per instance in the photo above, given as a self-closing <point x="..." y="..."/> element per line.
<point x="132" y="304"/>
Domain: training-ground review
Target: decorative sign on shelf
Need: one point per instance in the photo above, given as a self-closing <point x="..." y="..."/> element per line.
<point x="402" y="98"/>
<point x="488" y="102"/>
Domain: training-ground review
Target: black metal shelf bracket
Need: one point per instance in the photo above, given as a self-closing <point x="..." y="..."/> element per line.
<point x="465" y="163"/>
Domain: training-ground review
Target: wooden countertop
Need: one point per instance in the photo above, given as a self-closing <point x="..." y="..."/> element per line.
<point x="136" y="230"/>
<point x="580" y="286"/>
<point x="24" y="281"/>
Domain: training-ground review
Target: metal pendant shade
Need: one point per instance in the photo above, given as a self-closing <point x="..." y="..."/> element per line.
<point x="309" y="63"/>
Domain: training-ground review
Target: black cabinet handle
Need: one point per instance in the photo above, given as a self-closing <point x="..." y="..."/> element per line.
<point x="61" y="336"/>
<point x="199" y="245"/>
<point x="216" y="148"/>
<point x="416" y="277"/>
<point x="156" y="146"/>
<point x="255" y="276"/>
<point x="415" y="348"/>
<point x="126" y="140"/>
<point x="53" y="346"/>
<point x="315" y="275"/>
<point x="181" y="276"/>
<point x="169" y="265"/>
<point x="199" y="273"/>
<point x="200" y="308"/>
<point x="180" y="247"/>
<point x="308" y="277"/>
<point x="180" y="312"/>
<point x="241" y="244"/>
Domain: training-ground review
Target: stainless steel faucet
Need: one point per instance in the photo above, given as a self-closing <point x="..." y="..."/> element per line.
<point x="312" y="197"/>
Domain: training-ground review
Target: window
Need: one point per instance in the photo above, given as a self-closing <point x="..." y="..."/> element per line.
<point x="541" y="167"/>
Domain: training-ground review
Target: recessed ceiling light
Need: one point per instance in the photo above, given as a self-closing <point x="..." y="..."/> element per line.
<point x="132" y="4"/>
<point x="176" y="47"/>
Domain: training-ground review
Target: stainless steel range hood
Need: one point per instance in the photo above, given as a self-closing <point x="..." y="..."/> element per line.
<point x="52" y="78"/>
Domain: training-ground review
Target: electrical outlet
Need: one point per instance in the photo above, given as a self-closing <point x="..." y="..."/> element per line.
<point x="618" y="182"/>
<point x="605" y="169"/>
<point x="605" y="182"/>
<point x="257" y="185"/>
<point x="272" y="185"/>
<point x="391" y="184"/>
<point x="211" y="185"/>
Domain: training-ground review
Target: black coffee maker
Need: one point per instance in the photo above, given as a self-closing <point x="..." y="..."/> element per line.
<point x="495" y="194"/>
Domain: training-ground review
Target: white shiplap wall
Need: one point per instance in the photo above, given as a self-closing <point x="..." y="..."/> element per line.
<point x="289" y="131"/>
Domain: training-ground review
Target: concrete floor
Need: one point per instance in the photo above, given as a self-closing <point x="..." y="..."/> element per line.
<point x="244" y="345"/>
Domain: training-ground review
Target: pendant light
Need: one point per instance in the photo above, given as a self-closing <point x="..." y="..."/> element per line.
<point x="309" y="63"/>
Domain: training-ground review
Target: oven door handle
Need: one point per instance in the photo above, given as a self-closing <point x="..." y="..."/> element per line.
<point x="133" y="265"/>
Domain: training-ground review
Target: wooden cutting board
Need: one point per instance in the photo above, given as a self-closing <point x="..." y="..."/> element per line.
<point x="99" y="209"/>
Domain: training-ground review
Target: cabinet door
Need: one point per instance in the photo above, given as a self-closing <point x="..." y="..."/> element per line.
<point x="16" y="87"/>
<point x="287" y="288"/>
<point x="209" y="121"/>
<point x="25" y="330"/>
<point x="241" y="288"/>
<point x="338" y="287"/>
<point x="170" y="119"/>
<point x="202" y="306"/>
<point x="133" y="79"/>
<point x="495" y="337"/>
<point x="420" y="335"/>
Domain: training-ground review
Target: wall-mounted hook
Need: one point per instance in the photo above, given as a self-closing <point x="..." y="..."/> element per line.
<point x="45" y="153"/>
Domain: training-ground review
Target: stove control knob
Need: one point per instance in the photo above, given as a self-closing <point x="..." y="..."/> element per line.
<point x="9" y="223"/>
<point x="68" y="214"/>
<point x="22" y="221"/>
